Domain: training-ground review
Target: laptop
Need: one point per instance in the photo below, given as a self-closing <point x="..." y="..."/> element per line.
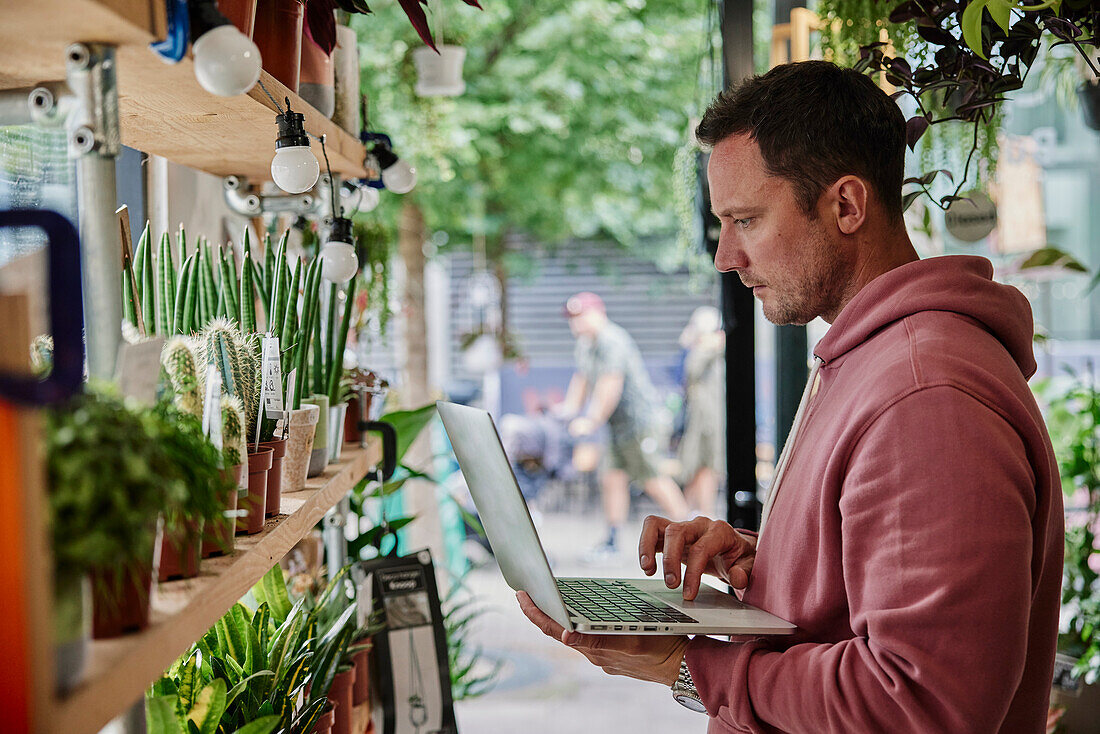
<point x="595" y="605"/>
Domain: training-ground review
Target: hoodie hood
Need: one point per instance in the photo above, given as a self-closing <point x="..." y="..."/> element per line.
<point x="961" y="284"/>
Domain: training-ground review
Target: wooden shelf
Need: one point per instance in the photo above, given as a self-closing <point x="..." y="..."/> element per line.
<point x="162" y="108"/>
<point x="121" y="669"/>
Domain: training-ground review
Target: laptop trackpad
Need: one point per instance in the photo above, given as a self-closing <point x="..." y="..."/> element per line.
<point x="708" y="597"/>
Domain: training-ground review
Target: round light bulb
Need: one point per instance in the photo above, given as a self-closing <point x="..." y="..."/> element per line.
<point x="400" y="177"/>
<point x="227" y="62"/>
<point x="338" y="262"/>
<point x="370" y="198"/>
<point x="295" y="169"/>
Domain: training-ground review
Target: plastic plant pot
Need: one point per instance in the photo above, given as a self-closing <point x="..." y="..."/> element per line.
<point x="324" y="724"/>
<point x="241" y="13"/>
<point x="120" y="595"/>
<point x="360" y="693"/>
<point x="218" y="535"/>
<point x="253" y="503"/>
<point x="336" y="415"/>
<point x="341" y="695"/>
<point x="72" y="628"/>
<point x="317" y="76"/>
<point x="181" y="552"/>
<point x="275" y="476"/>
<point x="278" y="34"/>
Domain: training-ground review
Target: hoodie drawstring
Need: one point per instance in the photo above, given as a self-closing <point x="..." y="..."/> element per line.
<point x="788" y="447"/>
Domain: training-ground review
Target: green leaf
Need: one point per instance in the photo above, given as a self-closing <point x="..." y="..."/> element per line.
<point x="209" y="707"/>
<point x="1052" y="257"/>
<point x="972" y="26"/>
<point x="263" y="725"/>
<point x="232" y="637"/>
<point x="238" y="689"/>
<point x="188" y="681"/>
<point x="261" y="623"/>
<point x="160" y="716"/>
<point x="408" y="424"/>
<point x="1001" y="12"/>
<point x="272" y="590"/>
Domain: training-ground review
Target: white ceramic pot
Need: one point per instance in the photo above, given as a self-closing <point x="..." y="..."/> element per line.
<point x="439" y="74"/>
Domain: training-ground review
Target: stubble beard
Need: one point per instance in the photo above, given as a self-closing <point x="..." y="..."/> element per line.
<point x="816" y="291"/>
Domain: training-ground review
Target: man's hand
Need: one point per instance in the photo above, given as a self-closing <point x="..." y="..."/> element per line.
<point x="703" y="545"/>
<point x="645" y="657"/>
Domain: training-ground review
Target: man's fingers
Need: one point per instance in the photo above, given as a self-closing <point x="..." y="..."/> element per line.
<point x="548" y="626"/>
<point x="696" y="563"/>
<point x="650" y="541"/>
<point x="677" y="535"/>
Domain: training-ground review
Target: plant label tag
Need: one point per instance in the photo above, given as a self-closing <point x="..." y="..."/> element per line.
<point x="364" y="600"/>
<point x="272" y="377"/>
<point x="212" y="406"/>
<point x="137" y="369"/>
<point x="290" y="387"/>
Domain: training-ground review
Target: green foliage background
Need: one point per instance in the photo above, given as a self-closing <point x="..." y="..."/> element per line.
<point x="569" y="125"/>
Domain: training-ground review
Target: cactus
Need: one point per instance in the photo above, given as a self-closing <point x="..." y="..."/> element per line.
<point x="237" y="358"/>
<point x="129" y="307"/>
<point x="179" y="362"/>
<point x="336" y="358"/>
<point x="310" y="308"/>
<point x="233" y="427"/>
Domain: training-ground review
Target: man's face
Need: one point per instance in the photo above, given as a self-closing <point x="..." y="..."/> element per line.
<point x="791" y="260"/>
<point x="585" y="324"/>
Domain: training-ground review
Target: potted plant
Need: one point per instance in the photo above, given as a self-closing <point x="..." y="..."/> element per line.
<point x="106" y="493"/>
<point x="1073" y="419"/>
<point x="278" y="34"/>
<point x="203" y="485"/>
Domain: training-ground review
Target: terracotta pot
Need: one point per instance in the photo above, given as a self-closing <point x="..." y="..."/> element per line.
<point x="351" y="422"/>
<point x="303" y="423"/>
<point x="317" y="77"/>
<point x="278" y="34"/>
<point x="341" y="696"/>
<point x="218" y="535"/>
<point x="275" y="476"/>
<point x="258" y="464"/>
<point x="181" y="551"/>
<point x="336" y="414"/>
<point x="318" y="457"/>
<point x="361" y="660"/>
<point x="241" y="13"/>
<point x="72" y="622"/>
<point x="120" y="596"/>
<point x="324" y="724"/>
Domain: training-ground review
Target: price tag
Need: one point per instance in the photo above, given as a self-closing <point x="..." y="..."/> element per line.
<point x="272" y="377"/>
<point x="137" y="368"/>
<point x="212" y="406"/>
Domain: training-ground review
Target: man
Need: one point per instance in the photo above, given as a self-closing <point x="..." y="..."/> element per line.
<point x="703" y="445"/>
<point x="612" y="379"/>
<point x="914" y="528"/>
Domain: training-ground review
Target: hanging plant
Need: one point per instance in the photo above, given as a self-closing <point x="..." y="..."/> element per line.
<point x="970" y="54"/>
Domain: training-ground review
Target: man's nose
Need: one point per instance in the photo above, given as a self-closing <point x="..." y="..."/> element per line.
<point x="728" y="257"/>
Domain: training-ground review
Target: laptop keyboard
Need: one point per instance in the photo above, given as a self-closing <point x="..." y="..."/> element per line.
<point x="610" y="600"/>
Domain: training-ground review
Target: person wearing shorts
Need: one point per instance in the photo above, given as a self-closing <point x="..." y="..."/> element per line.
<point x="611" y="383"/>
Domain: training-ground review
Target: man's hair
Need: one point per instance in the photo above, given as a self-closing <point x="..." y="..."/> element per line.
<point x="814" y="123"/>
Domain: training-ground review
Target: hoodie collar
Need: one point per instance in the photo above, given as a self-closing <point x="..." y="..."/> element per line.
<point x="961" y="284"/>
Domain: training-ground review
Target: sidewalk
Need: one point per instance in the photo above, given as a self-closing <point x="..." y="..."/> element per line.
<point x="545" y="687"/>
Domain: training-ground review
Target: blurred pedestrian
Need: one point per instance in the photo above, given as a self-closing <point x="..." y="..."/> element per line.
<point x="703" y="445"/>
<point x="613" y="387"/>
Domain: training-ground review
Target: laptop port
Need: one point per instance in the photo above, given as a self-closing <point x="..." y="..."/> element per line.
<point x="633" y="627"/>
<point x="618" y="627"/>
<point x="599" y="626"/>
<point x="649" y="629"/>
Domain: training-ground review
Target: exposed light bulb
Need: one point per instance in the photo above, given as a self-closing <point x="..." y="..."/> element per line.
<point x="338" y="260"/>
<point x="369" y="198"/>
<point x="400" y="178"/>
<point x="294" y="169"/>
<point x="227" y="62"/>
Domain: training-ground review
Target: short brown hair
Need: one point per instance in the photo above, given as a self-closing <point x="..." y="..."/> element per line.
<point x="815" y="122"/>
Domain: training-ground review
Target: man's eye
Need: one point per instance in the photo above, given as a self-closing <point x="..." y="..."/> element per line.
<point x="743" y="223"/>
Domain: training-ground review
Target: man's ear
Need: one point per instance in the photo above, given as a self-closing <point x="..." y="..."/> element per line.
<point x="850" y="198"/>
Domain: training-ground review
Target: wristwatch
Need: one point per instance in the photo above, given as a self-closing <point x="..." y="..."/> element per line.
<point x="683" y="690"/>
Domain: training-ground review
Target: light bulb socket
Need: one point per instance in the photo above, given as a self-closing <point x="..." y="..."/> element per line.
<point x="385" y="156"/>
<point x="341" y="231"/>
<point x="292" y="129"/>
<point x="204" y="16"/>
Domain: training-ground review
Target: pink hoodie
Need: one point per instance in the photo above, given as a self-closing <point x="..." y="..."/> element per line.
<point x="916" y="536"/>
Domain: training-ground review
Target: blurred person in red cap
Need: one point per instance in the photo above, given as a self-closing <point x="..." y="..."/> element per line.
<point x="612" y="384"/>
